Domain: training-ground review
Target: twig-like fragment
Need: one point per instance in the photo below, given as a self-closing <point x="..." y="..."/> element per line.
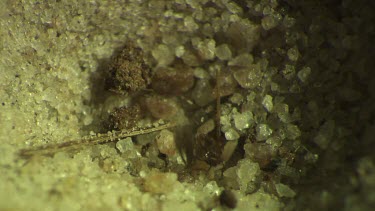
<point x="91" y="140"/>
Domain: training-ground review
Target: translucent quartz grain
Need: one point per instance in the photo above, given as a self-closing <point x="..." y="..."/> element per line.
<point x="243" y="60"/>
<point x="311" y="158"/>
<point x="228" y="150"/>
<point x="289" y="71"/>
<point x="275" y="87"/>
<point x="206" y="49"/>
<point x="173" y="205"/>
<point x="190" y="24"/>
<point x="191" y="58"/>
<point x="225" y="120"/>
<point x="243" y="120"/>
<point x="226" y="82"/>
<point x="247" y="172"/>
<point x="201" y="73"/>
<point x="230" y="178"/>
<point x="284" y="190"/>
<point x="243" y="35"/>
<point x="293" y="131"/>
<point x="293" y="54"/>
<point x="325" y="134"/>
<point x="282" y="110"/>
<point x="288" y="21"/>
<point x="212" y="187"/>
<point x="263" y="132"/>
<point x="206" y="127"/>
<point x="223" y="52"/>
<point x="124" y="145"/>
<point x="193" y="3"/>
<point x="179" y="51"/>
<point x="274" y="141"/>
<point x="267" y="103"/>
<point x="248" y="77"/>
<point x="304" y="74"/>
<point x="160" y="183"/>
<point x="207" y="30"/>
<point x="163" y="55"/>
<point x="231" y="134"/>
<point x="236" y="98"/>
<point x="269" y="22"/>
<point x="202" y="92"/>
<point x="166" y="143"/>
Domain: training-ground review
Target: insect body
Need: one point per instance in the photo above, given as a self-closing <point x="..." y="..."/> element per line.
<point x="155" y="95"/>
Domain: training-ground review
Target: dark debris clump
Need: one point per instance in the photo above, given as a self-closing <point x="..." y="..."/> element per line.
<point x="128" y="73"/>
<point x="124" y="117"/>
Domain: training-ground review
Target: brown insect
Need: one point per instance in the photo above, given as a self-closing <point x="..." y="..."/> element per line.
<point x="155" y="94"/>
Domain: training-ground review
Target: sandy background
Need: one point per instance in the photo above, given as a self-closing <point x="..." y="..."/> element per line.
<point x="52" y="58"/>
